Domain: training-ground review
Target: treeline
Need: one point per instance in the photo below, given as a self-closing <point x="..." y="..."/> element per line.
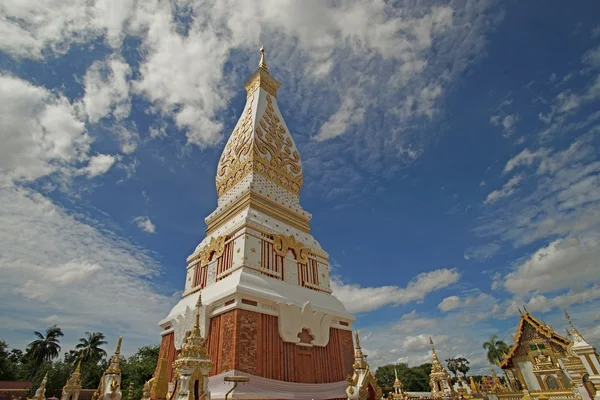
<point x="43" y="356"/>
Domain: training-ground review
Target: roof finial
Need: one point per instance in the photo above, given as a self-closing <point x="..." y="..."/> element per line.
<point x="357" y="340"/>
<point x="576" y="335"/>
<point x="263" y="63"/>
<point x="118" y="351"/>
<point x="525" y="309"/>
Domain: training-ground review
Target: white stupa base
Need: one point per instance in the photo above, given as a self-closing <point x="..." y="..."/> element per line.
<point x="263" y="388"/>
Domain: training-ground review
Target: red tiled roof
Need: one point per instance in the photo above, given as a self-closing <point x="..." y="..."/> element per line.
<point x="15" y="385"/>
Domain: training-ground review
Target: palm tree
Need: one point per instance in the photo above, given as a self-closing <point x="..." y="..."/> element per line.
<point x="45" y="348"/>
<point x="496" y="349"/>
<point x="89" y="348"/>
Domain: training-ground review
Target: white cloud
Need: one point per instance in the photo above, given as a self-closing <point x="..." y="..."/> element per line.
<point x="564" y="264"/>
<point x="99" y="164"/>
<point x="145" y="224"/>
<point x="41" y="133"/>
<point x="44" y="250"/>
<point x="524" y="158"/>
<point x="449" y="303"/>
<point x="482" y="252"/>
<point x="107" y="89"/>
<point x="505" y="191"/>
<point x="507" y="122"/>
<point x="338" y="123"/>
<point x="361" y="299"/>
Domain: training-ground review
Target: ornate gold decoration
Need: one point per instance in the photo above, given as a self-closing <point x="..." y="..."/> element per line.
<point x="263" y="63"/>
<point x="273" y="152"/>
<point x="216" y="244"/>
<point x="40" y="393"/>
<point x="268" y="150"/>
<point x="530" y="328"/>
<point x="281" y="245"/>
<point x="193" y="354"/>
<point x="159" y="384"/>
<point x="236" y="160"/>
<point x="114" y="367"/>
<point x="74" y="381"/>
<point x="575" y="333"/>
<point x="362" y="377"/>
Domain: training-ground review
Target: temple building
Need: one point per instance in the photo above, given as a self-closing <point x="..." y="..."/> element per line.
<point x="440" y="380"/>
<point x="542" y="362"/>
<point x="267" y="309"/>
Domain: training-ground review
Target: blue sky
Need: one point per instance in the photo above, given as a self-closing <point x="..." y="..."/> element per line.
<point x="451" y="153"/>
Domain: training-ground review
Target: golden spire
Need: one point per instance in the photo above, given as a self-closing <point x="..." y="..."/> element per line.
<point x="118" y="351"/>
<point x="359" y="357"/>
<point x="576" y="335"/>
<point x="114" y="367"/>
<point x="397" y="383"/>
<point x="78" y="368"/>
<point x="263" y="63"/>
<point x="433" y="349"/>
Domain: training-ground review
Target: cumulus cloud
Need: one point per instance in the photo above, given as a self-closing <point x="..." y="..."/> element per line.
<point x="360" y="299"/>
<point x="107" y="89"/>
<point x="145" y="224"/>
<point x="505" y="191"/>
<point x="56" y="264"/>
<point x="41" y="133"/>
<point x="449" y="303"/>
<point x="99" y="164"/>
<point x="564" y="263"/>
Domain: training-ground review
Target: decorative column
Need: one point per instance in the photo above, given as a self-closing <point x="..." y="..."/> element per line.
<point x="193" y="365"/>
<point x="40" y="393"/>
<point x="440" y="380"/>
<point x="587" y="354"/>
<point x="362" y="385"/>
<point x="73" y="386"/>
<point x="110" y="383"/>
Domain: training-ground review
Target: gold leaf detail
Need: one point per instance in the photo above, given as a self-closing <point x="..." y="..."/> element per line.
<point x="281" y="245"/>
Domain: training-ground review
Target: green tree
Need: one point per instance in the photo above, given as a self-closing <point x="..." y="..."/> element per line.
<point x="139" y="368"/>
<point x="45" y="348"/>
<point x="414" y="379"/>
<point x="7" y="366"/>
<point x="463" y="366"/>
<point x="89" y="347"/>
<point x="496" y="349"/>
<point x="452" y="364"/>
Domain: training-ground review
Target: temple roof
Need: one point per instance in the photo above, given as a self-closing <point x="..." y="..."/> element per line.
<point x="261" y="144"/>
<point x="541" y="328"/>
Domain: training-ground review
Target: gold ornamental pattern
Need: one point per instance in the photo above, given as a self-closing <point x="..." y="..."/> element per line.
<point x="282" y="243"/>
<point x="277" y="159"/>
<point x="269" y="152"/>
<point x="216" y="244"/>
<point x="235" y="162"/>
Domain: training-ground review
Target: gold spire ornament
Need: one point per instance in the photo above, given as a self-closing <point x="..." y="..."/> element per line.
<point x="40" y="393"/>
<point x="576" y="335"/>
<point x="263" y="63"/>
<point x="115" y="361"/>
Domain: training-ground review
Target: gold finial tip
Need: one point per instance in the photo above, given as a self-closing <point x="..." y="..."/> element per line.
<point x="118" y="351"/>
<point x="263" y="63"/>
